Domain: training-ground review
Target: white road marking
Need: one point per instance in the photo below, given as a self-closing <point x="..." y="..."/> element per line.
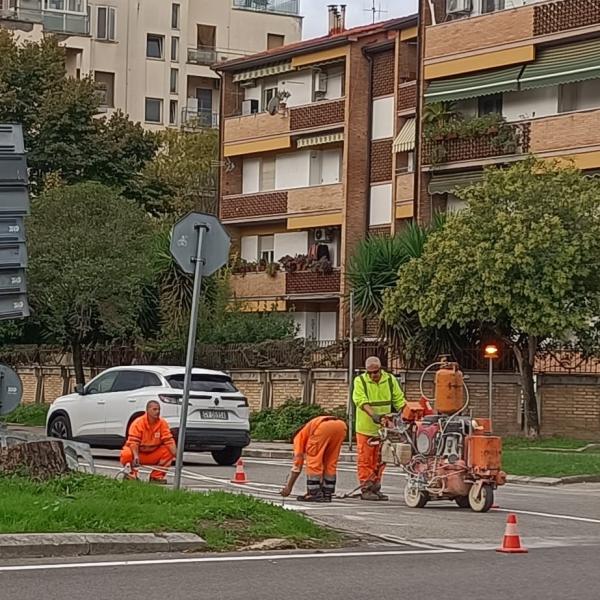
<point x="548" y="515"/>
<point x="222" y="559"/>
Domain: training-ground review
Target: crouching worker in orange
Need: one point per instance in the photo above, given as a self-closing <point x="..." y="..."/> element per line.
<point x="319" y="442"/>
<point x="150" y="442"/>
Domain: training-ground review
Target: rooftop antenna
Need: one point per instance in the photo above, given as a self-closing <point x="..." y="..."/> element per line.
<point x="375" y="10"/>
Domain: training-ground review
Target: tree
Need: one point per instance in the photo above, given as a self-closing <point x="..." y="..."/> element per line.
<point x="183" y="176"/>
<point x="89" y="263"/>
<point x="523" y="259"/>
<point x="64" y="137"/>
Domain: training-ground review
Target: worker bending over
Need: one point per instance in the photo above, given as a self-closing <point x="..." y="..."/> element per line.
<point x="319" y="442"/>
<point x="375" y="393"/>
<point x="149" y="442"/>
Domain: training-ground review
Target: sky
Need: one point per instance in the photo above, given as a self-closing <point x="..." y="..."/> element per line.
<point x="358" y="13"/>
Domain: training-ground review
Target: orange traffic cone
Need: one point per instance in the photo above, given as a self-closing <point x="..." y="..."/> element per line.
<point x="240" y="474"/>
<point x="511" y="543"/>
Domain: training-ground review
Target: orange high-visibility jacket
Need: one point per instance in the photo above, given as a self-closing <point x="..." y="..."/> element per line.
<point x="149" y="437"/>
<point x="302" y="438"/>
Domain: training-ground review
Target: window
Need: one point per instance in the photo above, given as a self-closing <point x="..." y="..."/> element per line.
<point x="173" y="112"/>
<point x="325" y="166"/>
<point x="581" y="95"/>
<point x="383" y="118"/>
<point x="266" y="248"/>
<point x="102" y="384"/>
<point x="75" y="6"/>
<point x="275" y="40"/>
<point x="490" y="104"/>
<point x="488" y="6"/>
<point x="105" y="23"/>
<point x="134" y="380"/>
<point x="175" y="49"/>
<point x="267" y="174"/>
<point x="268" y="95"/>
<point x="174" y="84"/>
<point x="206" y="36"/>
<point x="105" y="83"/>
<point x="153" y="113"/>
<point x="380" y="206"/>
<point x="154" y="46"/>
<point x="175" y="11"/>
<point x="410" y="162"/>
<point x="204" y="383"/>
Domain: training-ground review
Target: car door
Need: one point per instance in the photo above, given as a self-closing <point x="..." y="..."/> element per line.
<point x="88" y="415"/>
<point x="129" y="396"/>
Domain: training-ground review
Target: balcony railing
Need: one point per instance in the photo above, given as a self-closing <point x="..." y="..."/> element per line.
<point x="52" y="20"/>
<point x="283" y="7"/>
<point x="553" y="17"/>
<point x="199" y="119"/>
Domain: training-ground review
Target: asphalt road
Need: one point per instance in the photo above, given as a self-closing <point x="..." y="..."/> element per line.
<point x="565" y="516"/>
<point x="551" y="574"/>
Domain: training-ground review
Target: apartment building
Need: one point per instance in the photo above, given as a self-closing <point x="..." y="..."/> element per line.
<point x="151" y="58"/>
<point x="518" y="77"/>
<point x="317" y="146"/>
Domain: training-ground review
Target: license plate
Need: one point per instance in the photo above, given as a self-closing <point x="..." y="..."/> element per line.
<point x="214" y="414"/>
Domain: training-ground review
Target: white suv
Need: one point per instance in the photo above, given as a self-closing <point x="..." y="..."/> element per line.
<point x="101" y="412"/>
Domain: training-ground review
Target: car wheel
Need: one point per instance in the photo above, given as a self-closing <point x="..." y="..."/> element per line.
<point x="228" y="456"/>
<point x="60" y="427"/>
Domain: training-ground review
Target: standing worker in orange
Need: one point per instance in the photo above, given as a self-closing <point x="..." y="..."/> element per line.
<point x="375" y="393"/>
<point x="150" y="442"/>
<point x="319" y="442"/>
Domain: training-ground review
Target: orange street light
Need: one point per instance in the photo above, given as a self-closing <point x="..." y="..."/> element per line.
<point x="491" y="351"/>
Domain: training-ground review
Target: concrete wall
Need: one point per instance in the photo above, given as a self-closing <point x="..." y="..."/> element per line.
<point x="569" y="404"/>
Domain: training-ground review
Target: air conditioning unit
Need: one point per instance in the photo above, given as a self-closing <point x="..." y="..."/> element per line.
<point x="323" y="235"/>
<point x="249" y="107"/>
<point x="320" y="82"/>
<point x="455" y="7"/>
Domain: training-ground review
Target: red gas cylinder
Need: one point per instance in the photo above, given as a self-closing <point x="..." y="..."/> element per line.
<point x="449" y="389"/>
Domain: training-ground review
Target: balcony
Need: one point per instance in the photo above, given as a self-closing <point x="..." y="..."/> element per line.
<point x="199" y="119"/>
<point x="58" y="21"/>
<point x="207" y="56"/>
<point x="252" y="127"/>
<point x="308" y="283"/>
<point x="248" y="206"/>
<point x="279" y="7"/>
<point x="553" y="17"/>
<point x="511" y="139"/>
<point x="317" y="114"/>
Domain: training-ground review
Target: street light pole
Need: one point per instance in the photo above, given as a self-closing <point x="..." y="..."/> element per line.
<point x="491" y="353"/>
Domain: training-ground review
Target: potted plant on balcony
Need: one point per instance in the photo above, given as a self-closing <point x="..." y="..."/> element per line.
<point x="283" y="95"/>
<point x="272" y="269"/>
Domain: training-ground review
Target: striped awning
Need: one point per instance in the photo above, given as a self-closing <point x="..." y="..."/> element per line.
<point x="448" y="182"/>
<point x="405" y="140"/>
<point x="563" y="64"/>
<point x="265" y="71"/>
<point x="473" y="86"/>
<point x="319" y="140"/>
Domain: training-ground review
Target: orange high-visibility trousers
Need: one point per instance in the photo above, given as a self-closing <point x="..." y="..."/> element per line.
<point x="160" y="457"/>
<point x="324" y="447"/>
<point x="368" y="461"/>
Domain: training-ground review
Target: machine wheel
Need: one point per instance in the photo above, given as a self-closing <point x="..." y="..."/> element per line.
<point x="228" y="456"/>
<point x="462" y="501"/>
<point x="60" y="427"/>
<point x="415" y="498"/>
<point x="484" y="502"/>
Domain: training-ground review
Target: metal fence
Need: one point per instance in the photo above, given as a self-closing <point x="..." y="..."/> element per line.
<point x="286" y="7"/>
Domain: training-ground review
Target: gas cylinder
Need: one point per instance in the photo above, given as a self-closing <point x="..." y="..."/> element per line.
<point x="449" y="389"/>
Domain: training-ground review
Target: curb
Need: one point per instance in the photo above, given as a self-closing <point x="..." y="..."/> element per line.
<point x="347" y="458"/>
<point x="43" y="545"/>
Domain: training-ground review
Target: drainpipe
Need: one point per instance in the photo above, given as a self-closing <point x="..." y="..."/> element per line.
<point x="419" y="111"/>
<point x="369" y="134"/>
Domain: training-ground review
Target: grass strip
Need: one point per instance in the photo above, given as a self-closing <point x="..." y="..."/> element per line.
<point x="539" y="463"/>
<point x="94" y="504"/>
<point x="32" y="415"/>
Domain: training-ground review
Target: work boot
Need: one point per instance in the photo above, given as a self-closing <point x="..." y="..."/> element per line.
<point x="130" y="477"/>
<point x="311" y="498"/>
<point x="377" y="490"/>
<point x="369" y="495"/>
<point x="156" y="481"/>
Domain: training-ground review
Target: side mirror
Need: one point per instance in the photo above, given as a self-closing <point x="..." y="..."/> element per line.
<point x="79" y="389"/>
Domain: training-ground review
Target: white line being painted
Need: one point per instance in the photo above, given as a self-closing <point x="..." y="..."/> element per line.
<point x="548" y="515"/>
<point x="221" y="559"/>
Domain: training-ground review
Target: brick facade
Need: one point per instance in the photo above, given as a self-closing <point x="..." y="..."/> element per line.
<point x="553" y="17"/>
<point x="384" y="230"/>
<point x="383" y="74"/>
<point x="309" y="282"/>
<point x="231" y="181"/>
<point x="381" y="161"/>
<point x="473" y="148"/>
<point x="407" y="97"/>
<point x="317" y="115"/>
<point x="253" y="205"/>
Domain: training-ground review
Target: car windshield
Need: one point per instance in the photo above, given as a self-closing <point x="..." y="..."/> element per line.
<point x="204" y="383"/>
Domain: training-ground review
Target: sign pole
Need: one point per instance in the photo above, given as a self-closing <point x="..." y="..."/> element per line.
<point x="350" y="371"/>
<point x="201" y="229"/>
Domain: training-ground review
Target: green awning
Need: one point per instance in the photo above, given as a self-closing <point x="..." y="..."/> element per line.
<point x="473" y="86"/>
<point x="266" y="71"/>
<point x="448" y="182"/>
<point x="563" y="64"/>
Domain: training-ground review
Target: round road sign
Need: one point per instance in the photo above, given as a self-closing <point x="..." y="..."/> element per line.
<point x="11" y="390"/>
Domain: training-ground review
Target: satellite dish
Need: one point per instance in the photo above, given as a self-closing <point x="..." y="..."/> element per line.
<point x="273" y="105"/>
<point x="11" y="390"/>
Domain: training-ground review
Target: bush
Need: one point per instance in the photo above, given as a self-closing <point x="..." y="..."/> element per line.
<point x="281" y="422"/>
